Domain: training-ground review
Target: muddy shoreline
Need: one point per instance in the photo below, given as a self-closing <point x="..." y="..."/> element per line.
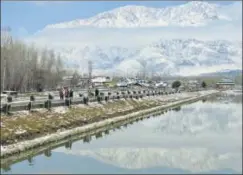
<point x="94" y="126"/>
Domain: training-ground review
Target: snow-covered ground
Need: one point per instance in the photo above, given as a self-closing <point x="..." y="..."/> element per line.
<point x="56" y="136"/>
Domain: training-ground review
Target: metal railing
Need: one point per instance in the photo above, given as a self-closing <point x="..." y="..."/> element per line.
<point x="49" y="103"/>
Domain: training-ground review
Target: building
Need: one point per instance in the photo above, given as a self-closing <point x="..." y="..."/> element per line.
<point x="100" y="80"/>
<point x="193" y="85"/>
<point x="225" y="84"/>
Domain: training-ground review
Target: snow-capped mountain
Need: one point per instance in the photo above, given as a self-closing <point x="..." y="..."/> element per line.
<point x="194" y="13"/>
<point x="117" y="40"/>
<point x="175" y="56"/>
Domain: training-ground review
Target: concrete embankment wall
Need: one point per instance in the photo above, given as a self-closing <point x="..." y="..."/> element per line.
<point x="27" y="145"/>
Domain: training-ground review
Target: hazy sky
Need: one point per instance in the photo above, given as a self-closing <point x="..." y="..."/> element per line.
<point x="27" y="17"/>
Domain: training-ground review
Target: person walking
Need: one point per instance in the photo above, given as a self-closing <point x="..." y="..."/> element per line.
<point x="61" y="94"/>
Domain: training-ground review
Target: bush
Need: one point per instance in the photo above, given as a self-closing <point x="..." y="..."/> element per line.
<point x="176" y="84"/>
<point x="203" y="85"/>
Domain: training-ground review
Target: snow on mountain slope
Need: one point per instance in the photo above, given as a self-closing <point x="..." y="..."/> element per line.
<point x="194" y="13"/>
<point x="175" y="56"/>
<point x="117" y="40"/>
<point x="192" y="159"/>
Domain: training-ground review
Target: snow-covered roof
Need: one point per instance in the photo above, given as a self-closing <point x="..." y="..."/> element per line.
<point x="225" y="81"/>
<point x="100" y="79"/>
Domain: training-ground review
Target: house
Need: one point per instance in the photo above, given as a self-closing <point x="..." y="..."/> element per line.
<point x="192" y="85"/>
<point x="161" y="84"/>
<point x="225" y="84"/>
<point x="100" y="80"/>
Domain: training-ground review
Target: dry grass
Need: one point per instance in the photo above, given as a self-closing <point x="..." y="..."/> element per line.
<point x="34" y="124"/>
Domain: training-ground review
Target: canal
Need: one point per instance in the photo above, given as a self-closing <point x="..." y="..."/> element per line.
<point x="203" y="137"/>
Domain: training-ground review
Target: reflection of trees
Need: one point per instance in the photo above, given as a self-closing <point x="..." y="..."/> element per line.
<point x="98" y="135"/>
<point x="6" y="167"/>
<point x="177" y="108"/>
<point x="125" y="125"/>
<point x="87" y="139"/>
<point x="30" y="160"/>
<point x="107" y="132"/>
<point x="68" y="145"/>
<point x="47" y="152"/>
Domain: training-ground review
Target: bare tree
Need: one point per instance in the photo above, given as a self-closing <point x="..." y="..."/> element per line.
<point x="25" y="68"/>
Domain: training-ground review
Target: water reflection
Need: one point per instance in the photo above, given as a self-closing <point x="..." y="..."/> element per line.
<point x="47" y="152"/>
<point x="87" y="139"/>
<point x="68" y="145"/>
<point x="177" y="108"/>
<point x="203" y="137"/>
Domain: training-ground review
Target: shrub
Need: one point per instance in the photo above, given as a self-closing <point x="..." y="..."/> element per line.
<point x="176" y="84"/>
<point x="203" y="85"/>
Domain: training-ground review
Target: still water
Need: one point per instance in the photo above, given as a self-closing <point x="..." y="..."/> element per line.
<point x="203" y="137"/>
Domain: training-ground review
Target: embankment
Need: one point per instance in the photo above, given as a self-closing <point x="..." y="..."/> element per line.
<point x="84" y="119"/>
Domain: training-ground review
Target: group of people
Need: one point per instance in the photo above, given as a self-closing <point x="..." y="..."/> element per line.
<point x="65" y="93"/>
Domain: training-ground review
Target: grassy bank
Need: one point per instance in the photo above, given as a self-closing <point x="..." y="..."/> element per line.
<point x="19" y="127"/>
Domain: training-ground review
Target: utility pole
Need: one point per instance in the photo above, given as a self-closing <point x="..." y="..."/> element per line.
<point x="90" y="75"/>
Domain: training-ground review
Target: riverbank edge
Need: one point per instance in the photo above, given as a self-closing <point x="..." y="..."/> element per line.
<point x="55" y="137"/>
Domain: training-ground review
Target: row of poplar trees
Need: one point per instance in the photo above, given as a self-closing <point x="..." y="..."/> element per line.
<point x="26" y="68"/>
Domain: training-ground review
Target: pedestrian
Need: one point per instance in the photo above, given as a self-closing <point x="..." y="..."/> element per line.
<point x="61" y="94"/>
<point x="71" y="93"/>
<point x="66" y="93"/>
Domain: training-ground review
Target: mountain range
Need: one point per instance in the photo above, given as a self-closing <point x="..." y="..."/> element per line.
<point x="189" y="39"/>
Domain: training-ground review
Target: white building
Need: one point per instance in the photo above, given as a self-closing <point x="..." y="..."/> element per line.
<point x="100" y="80"/>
